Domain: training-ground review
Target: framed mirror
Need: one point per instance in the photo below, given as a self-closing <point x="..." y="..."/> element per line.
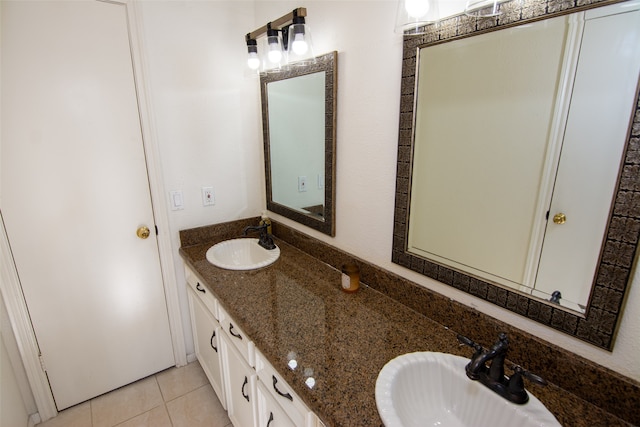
<point x="299" y="126"/>
<point x="518" y="178"/>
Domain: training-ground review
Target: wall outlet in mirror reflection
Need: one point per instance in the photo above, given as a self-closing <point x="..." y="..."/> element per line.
<point x="302" y="184"/>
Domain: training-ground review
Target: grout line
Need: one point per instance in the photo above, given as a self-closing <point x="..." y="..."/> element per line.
<point x="155" y="377"/>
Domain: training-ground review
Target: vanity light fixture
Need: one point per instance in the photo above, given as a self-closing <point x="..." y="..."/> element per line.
<point x="413" y="16"/>
<point x="287" y="41"/>
<point x="482" y="8"/>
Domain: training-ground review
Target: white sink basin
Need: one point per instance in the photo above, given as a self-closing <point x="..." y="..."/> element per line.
<point x="241" y="254"/>
<point x="432" y="389"/>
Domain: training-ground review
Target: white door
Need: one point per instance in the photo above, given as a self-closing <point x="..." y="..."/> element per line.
<point x="74" y="190"/>
<point x="602" y="102"/>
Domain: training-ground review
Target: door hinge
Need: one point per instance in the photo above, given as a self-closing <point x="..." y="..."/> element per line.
<point x="44" y="368"/>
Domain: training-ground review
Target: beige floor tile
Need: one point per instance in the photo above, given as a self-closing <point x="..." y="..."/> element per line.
<point x="175" y="382"/>
<point x="126" y="403"/>
<point x="157" y="417"/>
<point x="200" y="408"/>
<point x="76" y="416"/>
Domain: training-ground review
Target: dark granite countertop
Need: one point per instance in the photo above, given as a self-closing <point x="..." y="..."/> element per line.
<point x="296" y="307"/>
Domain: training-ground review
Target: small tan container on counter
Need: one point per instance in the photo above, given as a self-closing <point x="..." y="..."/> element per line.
<point x="350" y="277"/>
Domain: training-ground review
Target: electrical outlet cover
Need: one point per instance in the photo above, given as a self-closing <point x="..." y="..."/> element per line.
<point x="302" y="184"/>
<point x="208" y="198"/>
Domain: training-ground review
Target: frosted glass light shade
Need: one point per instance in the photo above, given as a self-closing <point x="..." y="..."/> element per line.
<point x="482" y="8"/>
<point x="413" y="16"/>
<point x="299" y="46"/>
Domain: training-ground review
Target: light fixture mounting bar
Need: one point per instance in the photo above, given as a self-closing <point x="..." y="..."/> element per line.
<point x="279" y="23"/>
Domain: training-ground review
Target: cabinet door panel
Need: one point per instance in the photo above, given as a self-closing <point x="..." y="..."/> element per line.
<point x="270" y="414"/>
<point x="281" y="392"/>
<point x="206" y="333"/>
<point x="241" y="385"/>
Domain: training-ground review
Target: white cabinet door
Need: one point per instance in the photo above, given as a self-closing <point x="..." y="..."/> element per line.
<point x="206" y="334"/>
<point x="270" y="414"/>
<point x="241" y="385"/>
<point x="282" y="393"/>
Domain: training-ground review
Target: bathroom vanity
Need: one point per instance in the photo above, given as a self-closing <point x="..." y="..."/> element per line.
<point x="310" y="353"/>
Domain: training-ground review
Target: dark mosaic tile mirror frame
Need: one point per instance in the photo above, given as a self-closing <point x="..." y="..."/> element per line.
<point x="329" y="64"/>
<point x="613" y="275"/>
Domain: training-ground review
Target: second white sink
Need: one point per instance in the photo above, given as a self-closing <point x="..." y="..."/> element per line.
<point x="432" y="389"/>
<point x="241" y="254"/>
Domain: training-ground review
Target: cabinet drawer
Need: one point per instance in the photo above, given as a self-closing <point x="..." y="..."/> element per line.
<point x="282" y="393"/>
<point x="202" y="292"/>
<point x="238" y="338"/>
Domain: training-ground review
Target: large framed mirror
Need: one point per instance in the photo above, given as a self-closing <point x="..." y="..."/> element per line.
<point x="299" y="126"/>
<point x="518" y="174"/>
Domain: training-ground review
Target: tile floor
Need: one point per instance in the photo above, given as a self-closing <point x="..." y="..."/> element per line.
<point x="177" y="397"/>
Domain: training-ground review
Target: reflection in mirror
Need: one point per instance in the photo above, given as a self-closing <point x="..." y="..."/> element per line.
<point x="298" y="107"/>
<point x="296" y="135"/>
<point x="509" y="163"/>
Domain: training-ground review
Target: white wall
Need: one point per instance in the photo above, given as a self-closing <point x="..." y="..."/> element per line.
<point x="370" y="58"/>
<point x="206" y="113"/>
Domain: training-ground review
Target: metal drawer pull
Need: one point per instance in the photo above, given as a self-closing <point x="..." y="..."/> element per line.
<point x="287" y="395"/>
<point x="211" y="341"/>
<point x="200" y="288"/>
<point x="270" y="419"/>
<point x="235" y="334"/>
<point x="246" y="381"/>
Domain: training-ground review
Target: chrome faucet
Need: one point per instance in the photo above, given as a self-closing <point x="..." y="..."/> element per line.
<point x="265" y="240"/>
<point x="492" y="375"/>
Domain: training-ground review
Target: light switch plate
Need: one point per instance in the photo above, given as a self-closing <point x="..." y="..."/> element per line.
<point x="177" y="200"/>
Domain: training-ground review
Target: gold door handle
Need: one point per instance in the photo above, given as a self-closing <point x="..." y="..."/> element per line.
<point x="559" y="218"/>
<point x="143" y="232"/>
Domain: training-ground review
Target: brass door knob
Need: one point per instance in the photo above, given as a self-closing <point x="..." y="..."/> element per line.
<point x="143" y="232"/>
<point x="559" y="218"/>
